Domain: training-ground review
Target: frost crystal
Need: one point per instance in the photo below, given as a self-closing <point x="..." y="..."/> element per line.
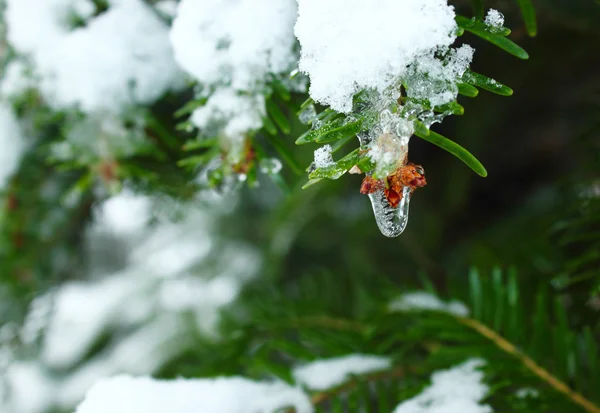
<point x="325" y="374"/>
<point x="124" y="394"/>
<point x="350" y="45"/>
<point x="433" y="79"/>
<point x="459" y="389"/>
<point x="323" y="158"/>
<point x="119" y="58"/>
<point x="494" y="20"/>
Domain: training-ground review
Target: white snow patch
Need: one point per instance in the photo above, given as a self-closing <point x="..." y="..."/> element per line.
<point x="124" y="214"/>
<point x="325" y="374"/>
<point x="422" y="300"/>
<point x="231" y="115"/>
<point x="350" y="45"/>
<point x="232" y="48"/>
<point x="124" y="394"/>
<point x="82" y="311"/>
<point x="119" y="58"/>
<point x="494" y="20"/>
<point x="12" y="144"/>
<point x="30" y="388"/>
<point x="435" y="79"/>
<point x="323" y="157"/>
<point x="234" y="42"/>
<point x="459" y="389"/>
<point x="15" y="80"/>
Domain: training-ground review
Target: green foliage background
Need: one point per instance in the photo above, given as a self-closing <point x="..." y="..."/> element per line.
<point x="521" y="247"/>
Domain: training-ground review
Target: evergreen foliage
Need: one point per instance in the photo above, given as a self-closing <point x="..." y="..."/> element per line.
<point x="533" y="295"/>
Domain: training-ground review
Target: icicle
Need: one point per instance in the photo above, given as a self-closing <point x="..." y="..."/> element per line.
<point x="391" y="221"/>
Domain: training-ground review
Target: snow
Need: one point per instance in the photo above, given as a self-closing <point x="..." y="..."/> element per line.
<point x="153" y="289"/>
<point x="420" y="300"/>
<point x="124" y="214"/>
<point x="36" y="321"/>
<point x="457" y="390"/>
<point x="30" y="388"/>
<point x="439" y="86"/>
<point x="494" y="20"/>
<point x="119" y="58"/>
<point x="123" y="394"/>
<point x="82" y="311"/>
<point x="167" y="7"/>
<point x="230" y="114"/>
<point x="15" y="80"/>
<point x="159" y="264"/>
<point x="12" y="144"/>
<point x="323" y="158"/>
<point x="233" y="48"/>
<point x="271" y="166"/>
<point x="527" y="392"/>
<point x="350" y="45"/>
<point x="234" y="43"/>
<point x="328" y="373"/>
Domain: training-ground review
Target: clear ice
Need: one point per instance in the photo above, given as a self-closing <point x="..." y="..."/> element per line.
<point x="391" y="221"/>
<point x="308" y="114"/>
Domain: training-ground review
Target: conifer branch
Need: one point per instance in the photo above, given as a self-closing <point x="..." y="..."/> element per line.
<point x="321" y="397"/>
<point x="531" y="365"/>
<point x="327" y="322"/>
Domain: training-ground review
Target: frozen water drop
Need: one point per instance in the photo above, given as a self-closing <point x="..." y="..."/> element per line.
<point x="391" y="221"/>
<point x="308" y="114"/>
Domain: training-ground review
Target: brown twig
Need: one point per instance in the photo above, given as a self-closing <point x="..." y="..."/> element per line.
<point x="531" y="365"/>
<point x="321" y="397"/>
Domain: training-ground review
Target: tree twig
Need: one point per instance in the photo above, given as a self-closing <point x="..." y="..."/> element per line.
<point x="531" y="365"/>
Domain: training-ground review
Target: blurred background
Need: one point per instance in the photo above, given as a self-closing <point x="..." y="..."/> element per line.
<point x="130" y="274"/>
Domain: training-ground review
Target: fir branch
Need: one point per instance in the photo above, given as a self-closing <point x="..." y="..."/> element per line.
<point x="326" y="322"/>
<point x="531" y="365"/>
<point x="322" y="397"/>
